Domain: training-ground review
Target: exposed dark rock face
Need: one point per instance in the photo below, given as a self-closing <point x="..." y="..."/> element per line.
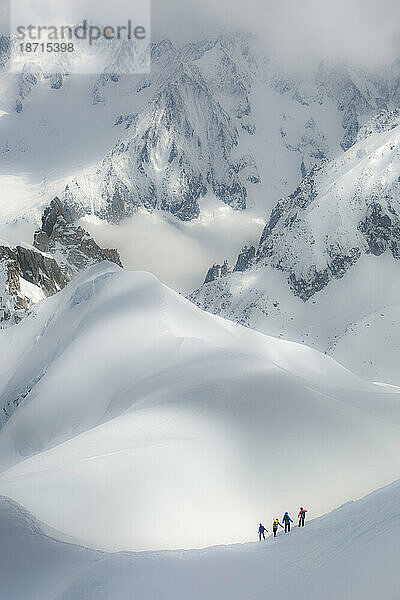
<point x="217" y="271"/>
<point x="384" y="121"/>
<point x="51" y="215"/>
<point x="41" y="270"/>
<point x="31" y="265"/>
<point x="5" y="49"/>
<point x="61" y="249"/>
<point x="213" y="273"/>
<point x="26" y="82"/>
<point x="245" y="258"/>
<point x="7" y="255"/>
<point x="74" y="247"/>
<point x="287" y="219"/>
<point x="315" y="281"/>
<point x="351" y="126"/>
<point x="382" y="230"/>
<point x="12" y="303"/>
<point x="285" y="211"/>
<point x="56" y="81"/>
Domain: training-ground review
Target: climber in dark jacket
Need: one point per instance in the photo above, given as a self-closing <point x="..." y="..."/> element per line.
<point x="275" y="526"/>
<point x="261" y="531"/>
<point x="287" y="520"/>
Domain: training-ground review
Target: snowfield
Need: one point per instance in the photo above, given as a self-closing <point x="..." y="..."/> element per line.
<point x="146" y="423"/>
<point x="350" y="553"/>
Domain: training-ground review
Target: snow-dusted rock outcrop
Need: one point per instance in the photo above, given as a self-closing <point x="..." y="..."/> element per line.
<point x="74" y="249"/>
<point x="30" y="273"/>
<point x="339" y="211"/>
<point x="26" y="276"/>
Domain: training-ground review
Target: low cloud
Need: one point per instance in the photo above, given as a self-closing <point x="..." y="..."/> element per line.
<point x="359" y="31"/>
<point x="297" y="32"/>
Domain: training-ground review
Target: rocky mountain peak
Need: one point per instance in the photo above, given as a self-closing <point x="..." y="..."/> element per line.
<point x="245" y="258"/>
<point x="12" y="301"/>
<point x="60" y="250"/>
<point x="72" y="245"/>
<point x="26" y="276"/>
<point x="51" y="215"/>
<point x="217" y="271"/>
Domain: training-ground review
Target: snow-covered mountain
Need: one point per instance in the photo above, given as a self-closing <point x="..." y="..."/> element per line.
<point x="217" y="123"/>
<point x="182" y="145"/>
<point x="127" y="393"/>
<point x="325" y="269"/>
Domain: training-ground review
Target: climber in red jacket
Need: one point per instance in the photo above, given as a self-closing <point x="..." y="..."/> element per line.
<point x="302" y="516"/>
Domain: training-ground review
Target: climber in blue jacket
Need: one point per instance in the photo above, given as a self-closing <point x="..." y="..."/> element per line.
<point x="287" y="520"/>
<point x="261" y="531"/>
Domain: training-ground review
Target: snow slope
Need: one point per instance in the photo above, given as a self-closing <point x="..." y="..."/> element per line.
<point x="350" y="553"/>
<point x="33" y="565"/>
<point x="144" y="422"/>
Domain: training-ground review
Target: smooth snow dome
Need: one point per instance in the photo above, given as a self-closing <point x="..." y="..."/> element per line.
<point x="151" y="424"/>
